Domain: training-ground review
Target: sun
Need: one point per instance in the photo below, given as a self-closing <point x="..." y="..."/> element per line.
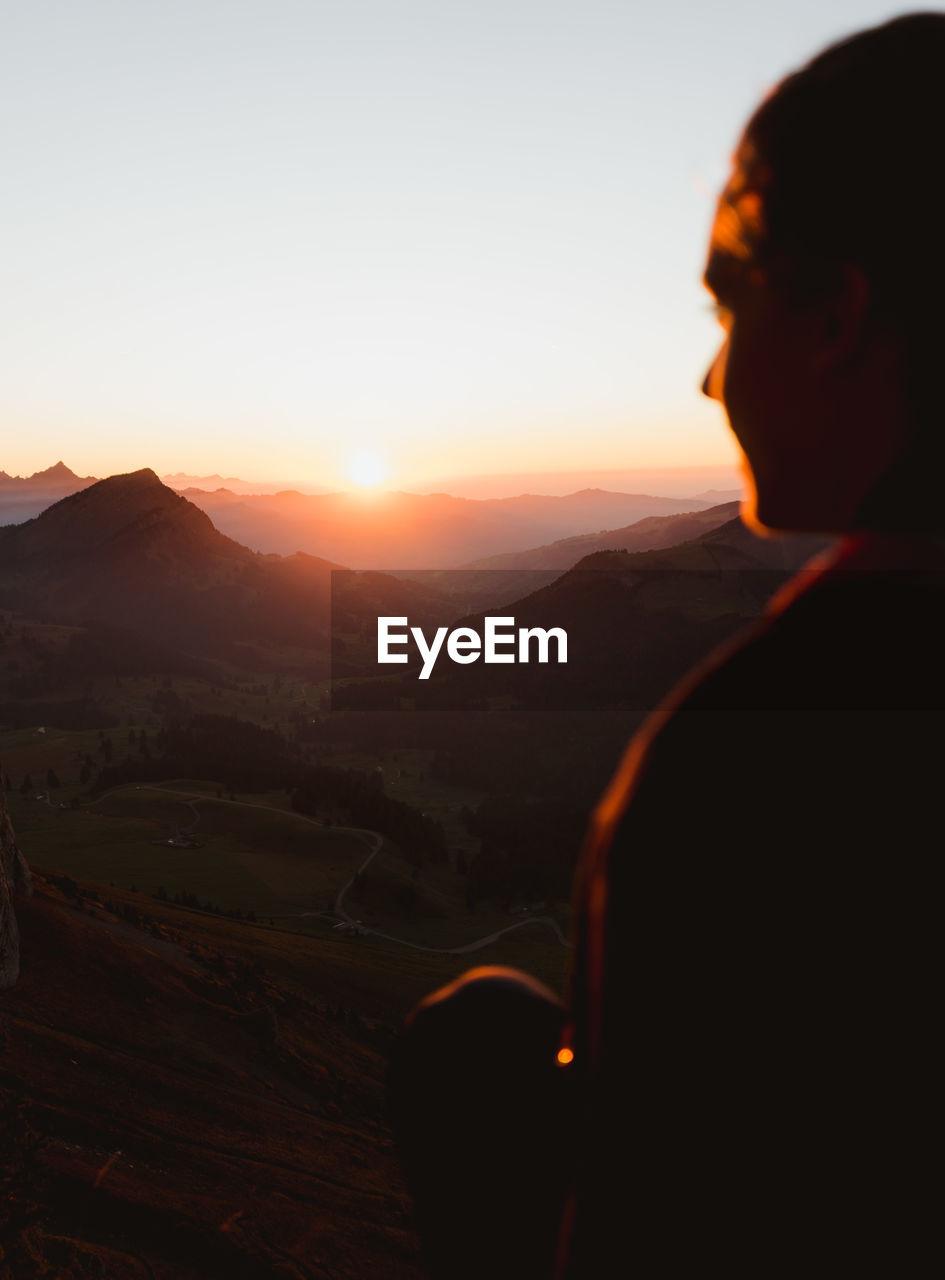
<point x="367" y="468"/>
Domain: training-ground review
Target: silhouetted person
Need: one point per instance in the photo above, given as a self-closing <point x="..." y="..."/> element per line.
<point x="755" y="999"/>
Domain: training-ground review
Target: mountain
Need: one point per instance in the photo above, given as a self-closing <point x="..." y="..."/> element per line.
<point x="635" y="622"/>
<point x="723" y="578"/>
<point x="419" y="531"/>
<point x="383" y="530"/>
<point x="676" y="482"/>
<point x="22" y="497"/>
<point x="130" y="552"/>
<point x="55" y="479"/>
<point x="721" y="495"/>
<point x="785" y="553"/>
<point x="181" y="481"/>
<point x="644" y="535"/>
<point x="125" y="513"/>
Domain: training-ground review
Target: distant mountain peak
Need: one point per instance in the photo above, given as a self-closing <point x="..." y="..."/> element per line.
<point x="58" y="471"/>
<point x="55" y="480"/>
<point x="718" y="496"/>
<point x="181" y="481"/>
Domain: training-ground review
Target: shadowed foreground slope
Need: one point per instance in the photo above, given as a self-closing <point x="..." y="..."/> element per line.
<point x="170" y="1109"/>
<point x="14" y="879"/>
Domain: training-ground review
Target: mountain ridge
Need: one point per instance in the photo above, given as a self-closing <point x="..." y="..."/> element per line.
<point x="130" y="552"/>
<point x="397" y="530"/>
<point x="643" y="535"/>
<point x="56" y="476"/>
<point x="383" y="530"/>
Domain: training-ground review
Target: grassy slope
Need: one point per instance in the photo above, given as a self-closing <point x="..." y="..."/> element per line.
<point x="203" y="1112"/>
<point x="249" y="857"/>
<point x="280" y="864"/>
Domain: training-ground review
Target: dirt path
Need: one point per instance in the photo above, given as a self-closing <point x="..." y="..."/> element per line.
<point x="376" y="841"/>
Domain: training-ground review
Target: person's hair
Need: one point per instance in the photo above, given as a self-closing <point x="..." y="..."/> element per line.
<point x="841" y="164"/>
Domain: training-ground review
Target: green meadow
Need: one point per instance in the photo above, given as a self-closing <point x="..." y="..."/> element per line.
<point x="238" y="855"/>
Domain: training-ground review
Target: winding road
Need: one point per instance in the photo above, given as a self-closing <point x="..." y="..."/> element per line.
<point x="375" y="841"/>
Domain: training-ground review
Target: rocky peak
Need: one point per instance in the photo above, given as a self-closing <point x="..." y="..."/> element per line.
<point x="58" y="471"/>
<point x="119" y="511"/>
<point x="14" y="878"/>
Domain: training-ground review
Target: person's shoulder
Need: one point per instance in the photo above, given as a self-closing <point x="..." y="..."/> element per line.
<point x="845" y="657"/>
<point x="697" y="731"/>
<point x="864" y="625"/>
<point x="861" y="625"/>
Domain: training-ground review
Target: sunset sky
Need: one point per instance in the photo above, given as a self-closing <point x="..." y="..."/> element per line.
<point x="325" y="242"/>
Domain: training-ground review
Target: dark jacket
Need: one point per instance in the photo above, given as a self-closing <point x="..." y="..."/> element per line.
<point x="757" y="989"/>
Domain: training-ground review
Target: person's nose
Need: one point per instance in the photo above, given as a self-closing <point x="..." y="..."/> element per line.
<point x="712" y="382"/>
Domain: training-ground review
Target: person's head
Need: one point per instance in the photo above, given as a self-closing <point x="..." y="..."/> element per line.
<point x="828" y="262"/>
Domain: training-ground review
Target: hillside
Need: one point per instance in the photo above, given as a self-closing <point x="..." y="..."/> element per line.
<point x="185" y="1097"/>
<point x="650" y="533"/>
<point x="636" y="621"/>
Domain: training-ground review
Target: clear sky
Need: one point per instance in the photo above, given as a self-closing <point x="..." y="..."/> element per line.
<point x="260" y="237"/>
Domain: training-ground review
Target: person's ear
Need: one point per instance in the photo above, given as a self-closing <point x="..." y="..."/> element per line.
<point x="843" y="319"/>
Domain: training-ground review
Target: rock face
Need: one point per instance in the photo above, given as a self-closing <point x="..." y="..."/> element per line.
<point x="14" y="878"/>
